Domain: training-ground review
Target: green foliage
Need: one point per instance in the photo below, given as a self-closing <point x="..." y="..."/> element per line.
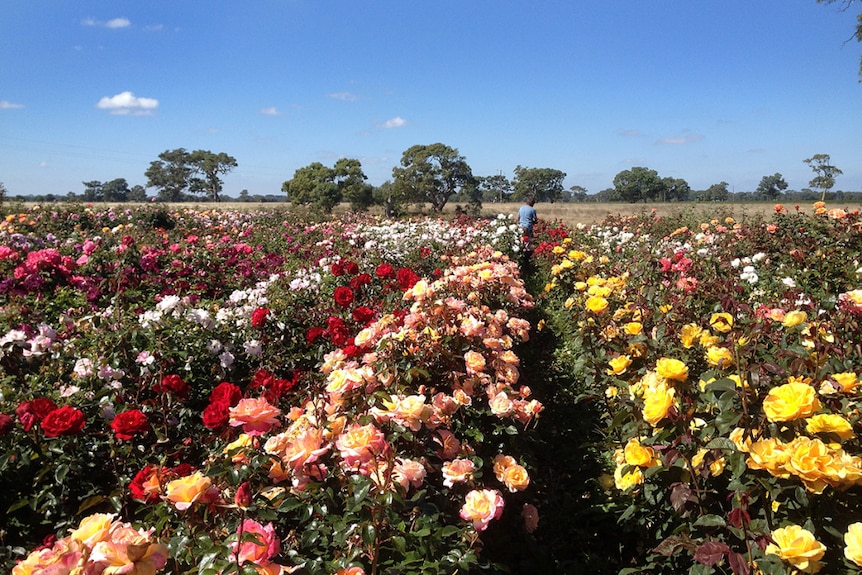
<point x="433" y="173"/>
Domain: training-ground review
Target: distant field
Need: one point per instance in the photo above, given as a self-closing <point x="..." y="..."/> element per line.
<point x="567" y="213"/>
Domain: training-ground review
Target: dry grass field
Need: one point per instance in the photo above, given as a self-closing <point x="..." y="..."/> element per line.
<point x="567" y="213"/>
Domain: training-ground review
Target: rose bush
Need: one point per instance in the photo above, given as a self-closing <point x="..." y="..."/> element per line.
<point x="259" y="394"/>
<point x="721" y="361"/>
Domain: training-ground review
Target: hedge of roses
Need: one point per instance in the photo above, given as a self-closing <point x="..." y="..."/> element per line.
<point x="720" y="361"/>
<point x="217" y="392"/>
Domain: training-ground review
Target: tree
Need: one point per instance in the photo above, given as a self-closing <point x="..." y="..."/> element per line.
<point x="170" y="174"/>
<point x="117" y="190"/>
<point x="770" y="187"/>
<point x="210" y="166"/>
<point x="496" y="188"/>
<point x="578" y="193"/>
<point x="313" y="185"/>
<point x="432" y="173"/>
<point x="542" y="184"/>
<point x="824" y="173"/>
<point x="638" y="185"/>
<point x="93" y="191"/>
<point x="3" y="192"/>
<point x="674" y="189"/>
<point x="715" y="193"/>
<point x="845" y="4"/>
<point x="178" y="171"/>
<point x="350" y="179"/>
<point x="137" y="193"/>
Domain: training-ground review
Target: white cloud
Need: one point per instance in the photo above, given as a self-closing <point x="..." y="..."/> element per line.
<point x="271" y="111"/>
<point x="396" y="122"/>
<point x="112" y="23"/>
<point x="678" y="140"/>
<point x="127" y="103"/>
<point x="7" y="105"/>
<point x="343" y="96"/>
<point x="118" y="23"/>
<point x="154" y="28"/>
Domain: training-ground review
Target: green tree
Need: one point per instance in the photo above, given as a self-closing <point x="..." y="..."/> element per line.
<point x="351" y="182"/>
<point x="117" y="190"/>
<point x="638" y="185"/>
<point x="137" y="193"/>
<point x="93" y="191"/>
<point x="578" y="193"/>
<point x="391" y="196"/>
<point x="715" y="193"/>
<point x="3" y="192"/>
<point x="770" y="187"/>
<point x="496" y="188"/>
<point x="170" y="174"/>
<point x="543" y="184"/>
<point x="845" y="4"/>
<point x="210" y="166"/>
<point x="433" y="173"/>
<point x="313" y="185"/>
<point x="674" y="189"/>
<point x="824" y="173"/>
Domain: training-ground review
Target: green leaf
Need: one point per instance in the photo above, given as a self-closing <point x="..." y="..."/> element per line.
<point x="90" y="502"/>
<point x="710" y="520"/>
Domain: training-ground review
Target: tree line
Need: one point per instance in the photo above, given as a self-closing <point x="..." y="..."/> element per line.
<point x="434" y="175"/>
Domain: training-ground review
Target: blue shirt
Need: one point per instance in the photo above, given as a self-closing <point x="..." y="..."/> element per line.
<point x="527" y="217"/>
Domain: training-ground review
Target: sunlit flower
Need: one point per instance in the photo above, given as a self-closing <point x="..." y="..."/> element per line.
<point x="481" y="506"/>
<point x="798" y="547"/>
<point x="830" y="423"/>
<point x="790" y="401"/>
<point x="853" y="543"/>
<point x="256" y="416"/>
<point x="721" y="322"/>
<point x="673" y="369"/>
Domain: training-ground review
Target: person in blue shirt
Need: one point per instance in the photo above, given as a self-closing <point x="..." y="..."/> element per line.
<point x="526" y="218"/>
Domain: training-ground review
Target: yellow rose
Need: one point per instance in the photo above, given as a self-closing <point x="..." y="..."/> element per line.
<point x="658" y="400"/>
<point x="619" y="364"/>
<point x="814" y="463"/>
<point x="791" y="401"/>
<point x="689" y="334"/>
<point x="853" y="542"/>
<point x="721" y="322"/>
<point x="721" y="357"/>
<point x="674" y="369"/>
<point x="596" y="304"/>
<point x="186" y="490"/>
<point x="626" y="481"/>
<point x="93" y="529"/>
<point x="847" y="380"/>
<point x="830" y="423"/>
<point x="769" y="455"/>
<point x="708" y="340"/>
<point x="716" y="467"/>
<point x="794" y="318"/>
<point x="639" y="455"/>
<point x="633" y="328"/>
<point x="798" y="547"/>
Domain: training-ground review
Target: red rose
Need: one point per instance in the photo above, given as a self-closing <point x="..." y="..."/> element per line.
<point x="173" y="383"/>
<point x="226" y="392"/>
<point x="313" y="334"/>
<point x="141" y="485"/>
<point x="262" y="378"/>
<point x="337" y="269"/>
<point x="352" y="268"/>
<point x="385" y="271"/>
<point x="34" y="411"/>
<point x="363" y="314"/>
<point x="64" y="420"/>
<point x="130" y="423"/>
<point x="343" y="296"/>
<point x="258" y="317"/>
<point x="243" y="495"/>
<point x="216" y="415"/>
<point x="407" y="278"/>
<point x="360" y="280"/>
<point x="6" y="423"/>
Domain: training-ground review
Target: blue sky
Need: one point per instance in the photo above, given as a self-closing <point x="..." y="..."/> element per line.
<point x="708" y="91"/>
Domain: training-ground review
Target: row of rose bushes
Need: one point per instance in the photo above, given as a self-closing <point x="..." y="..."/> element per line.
<point x="722" y="361"/>
<point x="233" y="392"/>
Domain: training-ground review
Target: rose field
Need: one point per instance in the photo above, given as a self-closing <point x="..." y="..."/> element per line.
<point x="218" y="391"/>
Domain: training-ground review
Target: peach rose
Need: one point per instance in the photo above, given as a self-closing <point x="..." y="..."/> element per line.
<point x="458" y="471"/>
<point x="475" y="362"/>
<point x="129" y="550"/>
<point x="186" y="490"/>
<point x="256" y="416"/>
<point x="93" y="529"/>
<point x="361" y="444"/>
<point x="481" y="506"/>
